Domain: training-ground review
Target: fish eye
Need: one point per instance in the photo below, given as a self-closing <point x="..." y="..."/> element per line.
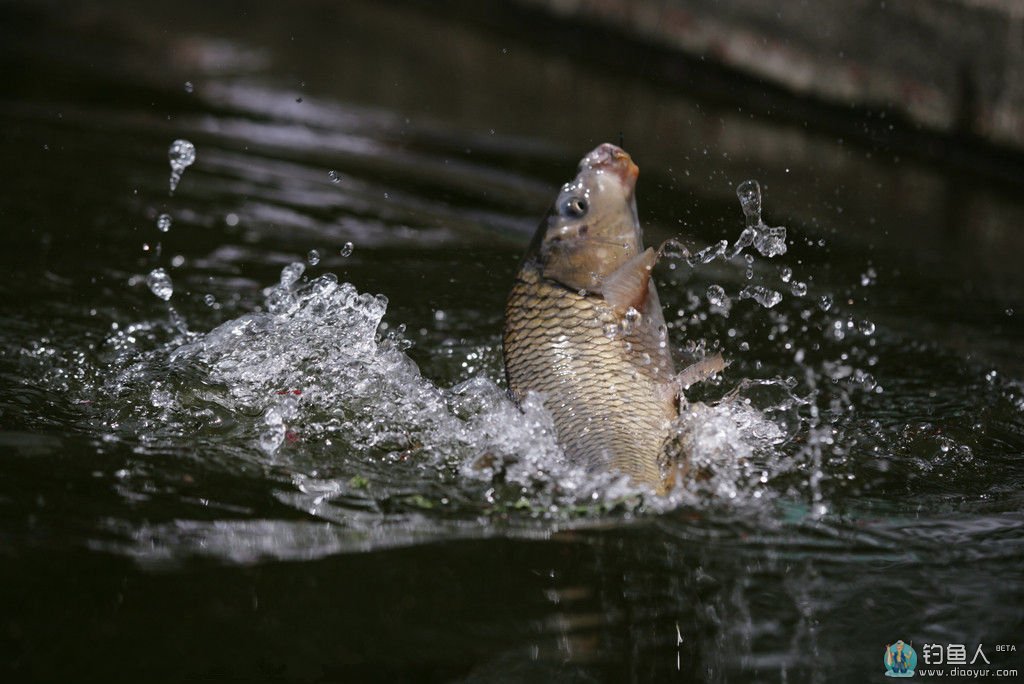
<point x="575" y="207"/>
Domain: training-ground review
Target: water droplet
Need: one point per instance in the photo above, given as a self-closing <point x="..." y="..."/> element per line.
<point x="630" y="320"/>
<point x="177" y="261"/>
<point x="1009" y="311"/>
<point x="749" y="194"/>
<point x="210" y="300"/>
<point x="786" y="274"/>
<point x="189" y="87"/>
<point x="771" y="242"/>
<point x="334" y="176"/>
<point x="673" y="249"/>
<point x="181" y="154"/>
<point x="825" y="302"/>
<point x="163" y="223"/>
<point x="160" y="284"/>
<point x="291" y="273"/>
<point x="611" y="331"/>
<point x="866" y="327"/>
<point x="346" y="249"/>
<point x="762" y="295"/>
<point x="744" y="346"/>
<point x="798" y="288"/>
<point x="313" y="257"/>
<point x="716" y="295"/>
<point x="708" y="254"/>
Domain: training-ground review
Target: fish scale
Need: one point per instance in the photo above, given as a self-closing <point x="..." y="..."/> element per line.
<point x="609" y="406"/>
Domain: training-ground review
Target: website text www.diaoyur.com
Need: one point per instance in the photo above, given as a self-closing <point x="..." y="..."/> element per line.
<point x="967" y="672"/>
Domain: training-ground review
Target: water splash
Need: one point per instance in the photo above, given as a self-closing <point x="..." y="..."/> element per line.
<point x="181" y="154"/>
<point x="769" y="241"/>
<point x="160" y="284"/>
<point x="764" y="296"/>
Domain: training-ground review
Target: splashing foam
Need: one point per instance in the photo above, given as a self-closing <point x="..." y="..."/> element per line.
<point x="313" y="366"/>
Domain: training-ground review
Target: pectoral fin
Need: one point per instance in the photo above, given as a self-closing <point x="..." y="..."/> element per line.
<point x="628" y="285"/>
<point x="700" y="371"/>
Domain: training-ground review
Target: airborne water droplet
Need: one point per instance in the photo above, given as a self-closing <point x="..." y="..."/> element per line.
<point x="825" y="302"/>
<point x="163" y="223"/>
<point x="749" y="194"/>
<point x="716" y="295"/>
<point x="189" y="87"/>
<point x="762" y="295"/>
<point x="313" y="257"/>
<point x="181" y="154"/>
<point x="292" y="272"/>
<point x="866" y="327"/>
<point x="334" y="176"/>
<point x="798" y="288"/>
<point x="160" y="284"/>
<point x="785" y="274"/>
<point x="347" y="248"/>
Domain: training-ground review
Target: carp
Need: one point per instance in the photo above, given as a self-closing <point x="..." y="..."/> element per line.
<point x="584" y="328"/>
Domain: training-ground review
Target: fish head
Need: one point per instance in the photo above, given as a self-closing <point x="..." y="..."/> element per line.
<point x="592" y="227"/>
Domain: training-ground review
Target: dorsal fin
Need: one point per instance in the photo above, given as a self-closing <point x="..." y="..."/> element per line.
<point x="627" y="286"/>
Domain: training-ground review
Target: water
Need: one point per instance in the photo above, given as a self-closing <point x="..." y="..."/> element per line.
<point x="182" y="154"/>
<point x="308" y="467"/>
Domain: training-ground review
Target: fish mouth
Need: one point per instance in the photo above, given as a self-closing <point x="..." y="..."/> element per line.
<point x="612" y="159"/>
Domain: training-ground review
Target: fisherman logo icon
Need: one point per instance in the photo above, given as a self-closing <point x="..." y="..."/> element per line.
<point x="900" y="660"/>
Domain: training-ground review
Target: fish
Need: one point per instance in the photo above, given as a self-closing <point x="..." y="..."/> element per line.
<point x="584" y="328"/>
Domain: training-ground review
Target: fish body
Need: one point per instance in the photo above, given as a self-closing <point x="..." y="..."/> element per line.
<point x="585" y="330"/>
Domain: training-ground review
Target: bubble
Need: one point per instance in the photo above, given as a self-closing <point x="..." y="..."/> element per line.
<point x="313" y="257"/>
<point x="163" y="223"/>
<point x="346" y="249"/>
<point x="181" y="154"/>
<point x="825" y="302"/>
<point x="160" y="284"/>
<point x="334" y="176"/>
<point x="291" y="273"/>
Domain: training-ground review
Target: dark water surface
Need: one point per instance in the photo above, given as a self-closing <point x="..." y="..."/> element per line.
<point x="330" y="485"/>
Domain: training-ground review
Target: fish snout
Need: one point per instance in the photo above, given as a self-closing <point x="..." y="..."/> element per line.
<point x="614" y="159"/>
